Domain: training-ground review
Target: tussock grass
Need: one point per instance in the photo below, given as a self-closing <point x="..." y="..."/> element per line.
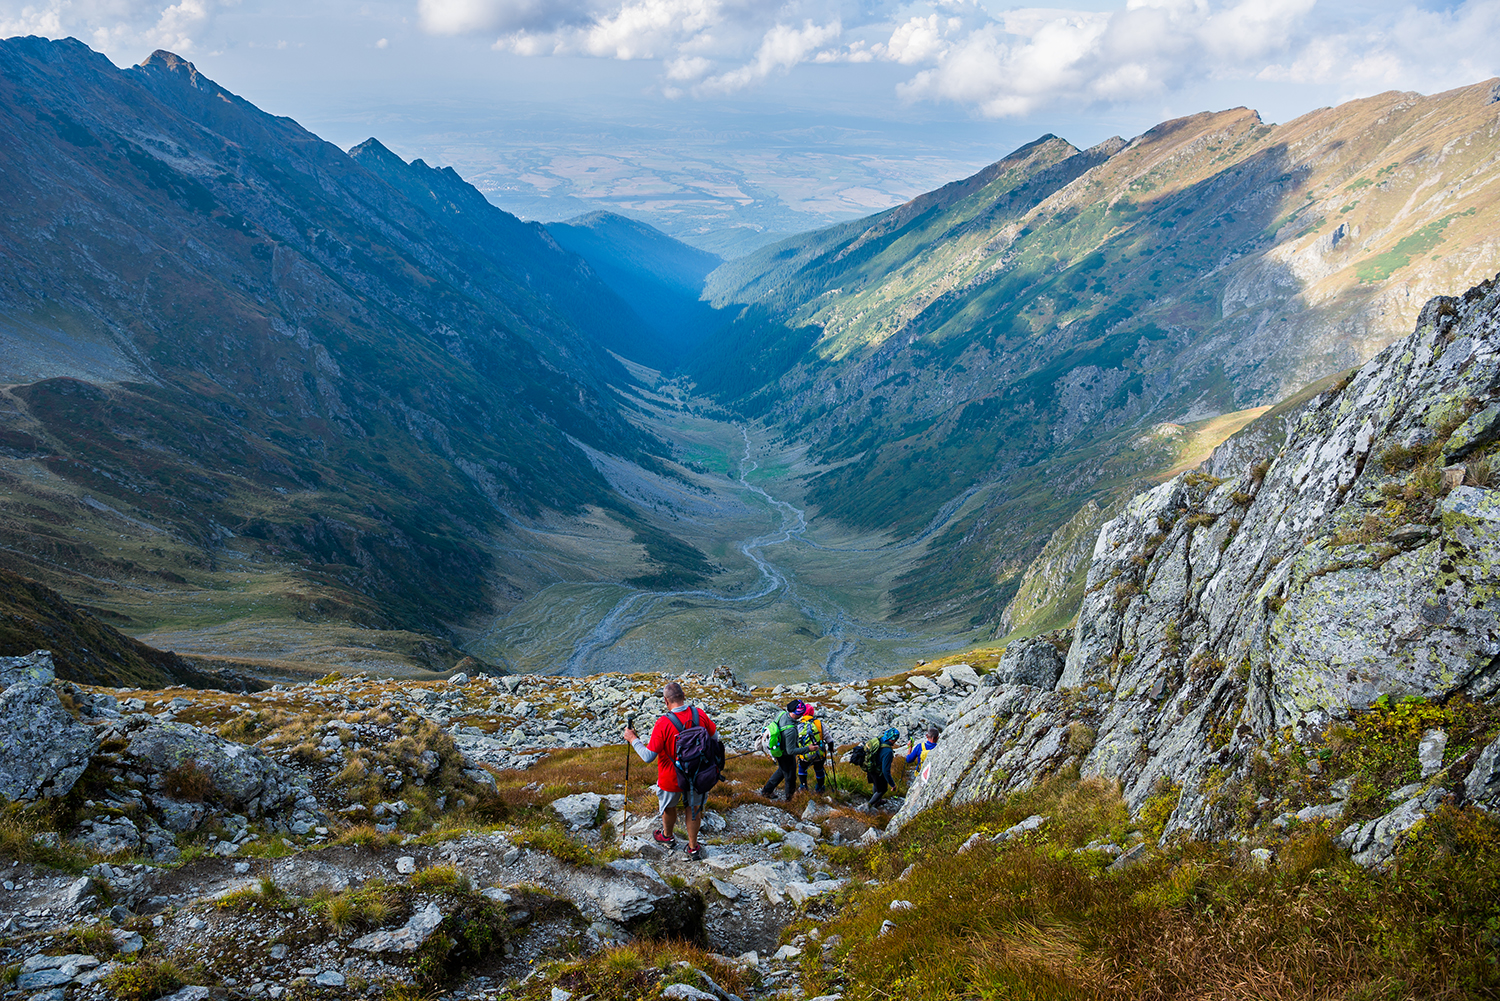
<point x="631" y="972"/>
<point x="1031" y="918"/>
<point x="439" y="878"/>
<point x="365" y="835"/>
<point x="23" y="838"/>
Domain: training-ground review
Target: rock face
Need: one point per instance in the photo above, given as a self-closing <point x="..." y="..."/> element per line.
<point x="1336" y="566"/>
<point x="43" y="749"/>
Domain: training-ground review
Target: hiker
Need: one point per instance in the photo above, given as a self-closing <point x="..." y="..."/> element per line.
<point x="878" y="765"/>
<point x="812" y="747"/>
<point x="781" y="745"/>
<point x="662" y="748"/>
<point x="918" y="753"/>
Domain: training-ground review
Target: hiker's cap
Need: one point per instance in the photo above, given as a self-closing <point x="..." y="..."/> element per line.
<point x="796" y="707"/>
<point x="891" y="733"/>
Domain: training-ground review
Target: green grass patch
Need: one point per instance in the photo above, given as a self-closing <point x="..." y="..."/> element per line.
<point x="1382" y="266"/>
<point x="1033" y="919"/>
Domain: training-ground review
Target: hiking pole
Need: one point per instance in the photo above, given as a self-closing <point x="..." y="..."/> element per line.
<point x="625" y="806"/>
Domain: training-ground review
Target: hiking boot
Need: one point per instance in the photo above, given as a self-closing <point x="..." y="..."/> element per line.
<point x="818" y="789"/>
<point x="695" y="852"/>
<point x="802" y="787"/>
<point x="875" y="801"/>
<point x="663" y="839"/>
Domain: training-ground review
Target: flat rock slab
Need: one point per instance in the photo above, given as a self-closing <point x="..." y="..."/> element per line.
<point x="408" y="938"/>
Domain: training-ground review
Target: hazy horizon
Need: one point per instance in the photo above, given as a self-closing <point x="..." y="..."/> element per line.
<point x="711" y="118"/>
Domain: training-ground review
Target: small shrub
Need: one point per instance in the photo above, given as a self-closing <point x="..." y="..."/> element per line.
<point x="555" y="842"/>
<point x="1157" y="809"/>
<point x="144" y="980"/>
<point x="90" y="940"/>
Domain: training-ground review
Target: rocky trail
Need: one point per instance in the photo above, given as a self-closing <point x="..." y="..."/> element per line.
<point x="222" y="829"/>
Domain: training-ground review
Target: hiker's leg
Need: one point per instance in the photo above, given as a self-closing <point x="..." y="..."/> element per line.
<point x="668" y="820"/>
<point x="690" y="820"/>
<point x="772" y="782"/>
<point x="801" y="774"/>
<point x="822" y="778"/>
<point x="789" y="768"/>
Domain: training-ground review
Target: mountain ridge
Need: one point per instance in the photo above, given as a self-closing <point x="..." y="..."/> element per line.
<point x="1211" y="264"/>
<point x="297" y="348"/>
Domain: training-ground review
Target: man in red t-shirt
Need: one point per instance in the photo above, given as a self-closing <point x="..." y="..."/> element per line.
<point x="662" y="748"/>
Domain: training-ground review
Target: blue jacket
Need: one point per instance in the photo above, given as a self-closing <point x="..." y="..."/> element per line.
<point x="919" y="752"/>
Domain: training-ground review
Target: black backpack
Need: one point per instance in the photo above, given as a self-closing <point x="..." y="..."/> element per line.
<point x="699" y="755"/>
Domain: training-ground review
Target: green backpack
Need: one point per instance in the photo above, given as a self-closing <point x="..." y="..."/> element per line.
<point x="776" y="731"/>
<point x="872" y="758"/>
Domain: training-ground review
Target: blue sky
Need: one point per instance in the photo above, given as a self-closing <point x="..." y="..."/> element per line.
<point x="769" y="115"/>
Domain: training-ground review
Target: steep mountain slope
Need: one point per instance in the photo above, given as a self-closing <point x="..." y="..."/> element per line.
<point x="1307" y="622"/>
<point x="85" y="650"/>
<point x="661" y="278"/>
<point x="231" y="347"/>
<point x="1004" y="329"/>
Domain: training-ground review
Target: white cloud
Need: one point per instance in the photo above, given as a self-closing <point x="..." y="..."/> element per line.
<point x="1008" y="62"/>
<point x="782" y="48"/>
<point x="123" y="27"/>
<point x="1409" y="48"/>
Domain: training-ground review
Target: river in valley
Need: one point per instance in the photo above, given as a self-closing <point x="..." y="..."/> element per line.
<point x="791" y="603"/>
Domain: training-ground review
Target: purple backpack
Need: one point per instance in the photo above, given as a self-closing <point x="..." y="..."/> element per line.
<point x="698" y="754"/>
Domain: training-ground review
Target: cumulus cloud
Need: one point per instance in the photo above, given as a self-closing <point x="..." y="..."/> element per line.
<point x="1005" y="62"/>
<point x="1410" y="47"/>
<point x="1031" y="59"/>
<point x="112" y="26"/>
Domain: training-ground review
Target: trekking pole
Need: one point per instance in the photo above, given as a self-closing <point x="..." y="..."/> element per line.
<point x="625" y="806"/>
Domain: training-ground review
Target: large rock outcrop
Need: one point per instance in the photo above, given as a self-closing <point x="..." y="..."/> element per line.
<point x="1355" y="559"/>
<point x="43" y="749"/>
<point x="237" y="776"/>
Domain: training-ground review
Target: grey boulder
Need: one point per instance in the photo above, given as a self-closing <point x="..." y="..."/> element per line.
<point x="1033" y="662"/>
<point x="35" y="666"/>
<point x="239" y="776"/>
<point x="43" y="749"/>
<point x="578" y="810"/>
